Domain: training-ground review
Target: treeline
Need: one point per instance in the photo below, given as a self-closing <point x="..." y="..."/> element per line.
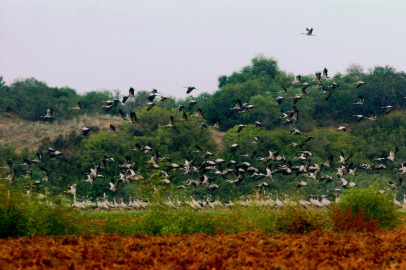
<point x="257" y="84"/>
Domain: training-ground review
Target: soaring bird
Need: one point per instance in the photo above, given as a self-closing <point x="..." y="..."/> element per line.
<point x="133" y="117"/>
<point x="240" y="127"/>
<point x="131" y="92"/>
<point x="217" y="124"/>
<point x="283" y="89"/>
<point x="199" y="113"/>
<point x="112" y="128"/>
<point x="150" y="105"/>
<point x="334" y="86"/>
<point x="192" y="103"/>
<point x="325" y="76"/>
<point x="78" y="106"/>
<point x="371" y="116"/>
<point x="49" y="114"/>
<point x="317" y="77"/>
<point x="122" y="114"/>
<point x="151" y="96"/>
<point x="190" y="89"/>
<point x="343" y="160"/>
<point x="308" y="32"/>
<point x="85" y="130"/>
<point x="279" y="100"/>
<point x="184" y="117"/>
<point x="328" y="95"/>
<point x="297" y="79"/>
<point x="171" y="124"/>
<point x="237" y="105"/>
<point x="361" y="100"/>
<point x="359" y="84"/>
<point x="388" y="109"/>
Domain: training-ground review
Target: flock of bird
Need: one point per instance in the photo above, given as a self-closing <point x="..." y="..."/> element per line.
<point x="203" y="170"/>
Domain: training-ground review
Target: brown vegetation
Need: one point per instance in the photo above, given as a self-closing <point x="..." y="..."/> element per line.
<point x="315" y="250"/>
<point x="29" y="134"/>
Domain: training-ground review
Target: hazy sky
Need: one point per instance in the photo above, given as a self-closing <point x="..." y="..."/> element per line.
<point x="90" y="45"/>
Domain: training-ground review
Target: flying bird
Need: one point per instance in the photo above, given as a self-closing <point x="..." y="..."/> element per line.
<point x="190" y="89"/>
<point x="308" y="32"/>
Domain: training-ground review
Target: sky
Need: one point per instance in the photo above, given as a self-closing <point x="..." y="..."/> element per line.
<point x="163" y="44"/>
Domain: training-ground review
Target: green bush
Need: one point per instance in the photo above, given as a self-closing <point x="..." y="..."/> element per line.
<point x="24" y="216"/>
<point x="376" y="206"/>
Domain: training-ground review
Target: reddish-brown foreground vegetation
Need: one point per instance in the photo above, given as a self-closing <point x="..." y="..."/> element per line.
<point x="315" y="250"/>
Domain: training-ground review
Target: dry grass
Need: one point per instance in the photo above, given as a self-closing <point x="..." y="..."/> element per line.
<point x="27" y="134"/>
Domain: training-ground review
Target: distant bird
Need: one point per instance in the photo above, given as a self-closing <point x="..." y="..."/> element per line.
<point x="359" y="84"/>
<point x="325" y="76"/>
<point x="85" y="130"/>
<point x="341" y="128"/>
<point x="256" y="140"/>
<point x="192" y="103"/>
<point x="112" y="128"/>
<point x="297" y="79"/>
<point x="217" y="124"/>
<point x="328" y="95"/>
<point x="78" y="106"/>
<point x="234" y="147"/>
<point x="199" y="149"/>
<point x="343" y="160"/>
<point x="240" y="127"/>
<point x="317" y="77"/>
<point x="124" y="99"/>
<point x="52" y="153"/>
<point x="122" y="114"/>
<point x="49" y="114"/>
<point x="163" y="98"/>
<point x="203" y="125"/>
<point x="329" y="161"/>
<point x="171" y="124"/>
<point x="237" y="105"/>
<point x="150" y="105"/>
<point x="308" y="32"/>
<point x="283" y="89"/>
<point x="388" y="109"/>
<point x="392" y="154"/>
<point x="296" y="98"/>
<point x="359" y="117"/>
<point x="133" y="117"/>
<point x="295" y="131"/>
<point x="334" y="86"/>
<point x="190" y="89"/>
<point x="199" y="113"/>
<point x="151" y="96"/>
<point x="131" y="92"/>
<point x="257" y="124"/>
<point x="279" y="100"/>
<point x="11" y="177"/>
<point x="372" y="116"/>
<point x="361" y="101"/>
<point x="184" y="117"/>
<point x="396" y="184"/>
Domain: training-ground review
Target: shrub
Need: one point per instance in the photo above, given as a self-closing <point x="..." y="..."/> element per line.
<point x="373" y="204"/>
<point x="345" y="220"/>
<point x="24" y="216"/>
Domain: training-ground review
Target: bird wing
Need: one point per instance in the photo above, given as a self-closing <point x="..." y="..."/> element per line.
<point x="122" y="114"/>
